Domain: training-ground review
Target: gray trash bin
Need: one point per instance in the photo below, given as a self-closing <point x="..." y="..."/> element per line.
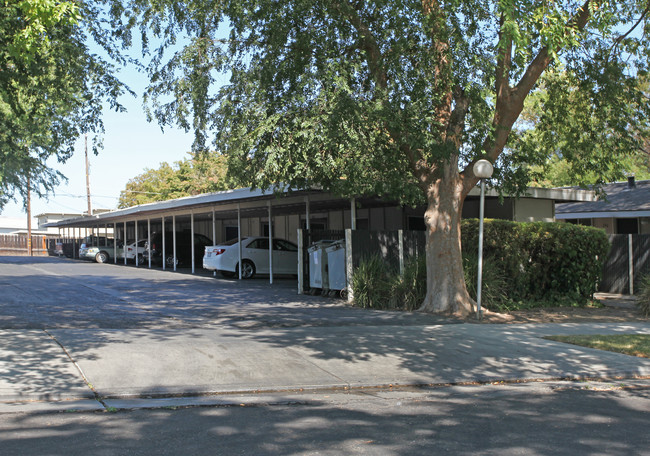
<point x="337" y="277"/>
<point x="318" y="277"/>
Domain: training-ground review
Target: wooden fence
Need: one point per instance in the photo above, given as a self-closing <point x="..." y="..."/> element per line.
<point x="628" y="262"/>
<point x="18" y="244"/>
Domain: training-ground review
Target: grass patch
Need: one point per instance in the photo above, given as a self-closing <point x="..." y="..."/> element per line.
<point x="628" y="344"/>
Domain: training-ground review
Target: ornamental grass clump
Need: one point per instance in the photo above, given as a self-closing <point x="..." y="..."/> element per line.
<point x="371" y="284"/>
<point x="408" y="290"/>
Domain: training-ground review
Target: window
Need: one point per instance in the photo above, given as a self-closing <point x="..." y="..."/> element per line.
<point x="232" y="232"/>
<point x="261" y="243"/>
<point x="281" y="244"/>
<point x="627" y="226"/>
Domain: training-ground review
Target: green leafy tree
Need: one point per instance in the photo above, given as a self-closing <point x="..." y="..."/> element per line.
<point x="51" y="88"/>
<point x="201" y="174"/>
<point x="398" y="98"/>
<point x="565" y="112"/>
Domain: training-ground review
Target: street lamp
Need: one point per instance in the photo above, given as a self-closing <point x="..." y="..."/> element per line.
<point x="483" y="170"/>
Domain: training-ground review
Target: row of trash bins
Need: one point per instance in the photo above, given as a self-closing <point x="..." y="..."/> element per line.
<point x="327" y="270"/>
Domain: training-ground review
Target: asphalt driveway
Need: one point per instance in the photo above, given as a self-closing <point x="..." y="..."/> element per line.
<point x="81" y="335"/>
<point x="51" y="292"/>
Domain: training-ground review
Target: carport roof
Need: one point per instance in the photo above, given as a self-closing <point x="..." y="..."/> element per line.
<point x="288" y="201"/>
<point x="225" y="202"/>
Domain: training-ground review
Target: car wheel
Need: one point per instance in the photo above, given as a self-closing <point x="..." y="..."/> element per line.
<point x="247" y="270"/>
<point x="140" y="259"/>
<point x="101" y="257"/>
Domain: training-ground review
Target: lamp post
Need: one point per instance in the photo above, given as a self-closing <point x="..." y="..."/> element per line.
<point x="483" y="170"/>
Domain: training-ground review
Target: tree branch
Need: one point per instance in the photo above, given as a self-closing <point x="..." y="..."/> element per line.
<point x="543" y="58"/>
<point x="618" y="40"/>
<point x="504" y="63"/>
<point x="368" y="43"/>
<point x="456" y="126"/>
<point x="510" y="103"/>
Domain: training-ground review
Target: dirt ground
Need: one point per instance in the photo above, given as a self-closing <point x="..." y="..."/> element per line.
<point x="617" y="308"/>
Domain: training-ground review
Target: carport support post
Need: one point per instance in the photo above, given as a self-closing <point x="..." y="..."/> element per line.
<point x="124" y="236"/>
<point x="214" y="228"/>
<point x="214" y="235"/>
<point x="192" y="238"/>
<point x="163" y="244"/>
<point x="239" y="236"/>
<point x="148" y="242"/>
<point x="270" y="245"/>
<point x="115" y="243"/>
<point x="353" y="213"/>
<point x="136" y="242"/>
<point x="174" y="240"/>
<point x="307" y="224"/>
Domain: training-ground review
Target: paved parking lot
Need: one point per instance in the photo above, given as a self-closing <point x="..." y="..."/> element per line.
<point x="51" y="292"/>
<point x="91" y="336"/>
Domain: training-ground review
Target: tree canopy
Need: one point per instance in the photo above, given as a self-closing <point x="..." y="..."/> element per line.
<point x="203" y="173"/>
<point x="391" y="98"/>
<point x="52" y="87"/>
<point x="401" y="98"/>
<point x="554" y="118"/>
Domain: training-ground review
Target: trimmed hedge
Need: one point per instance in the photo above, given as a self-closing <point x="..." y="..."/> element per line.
<point x="524" y="265"/>
<point x="542" y="261"/>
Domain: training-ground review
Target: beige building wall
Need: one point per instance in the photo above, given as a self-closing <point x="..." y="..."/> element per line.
<point x="532" y="210"/>
<point x="335" y="219"/>
<point x="393" y="218"/>
<point x="607" y="224"/>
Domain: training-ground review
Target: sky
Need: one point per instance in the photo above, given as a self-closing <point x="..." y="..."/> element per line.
<point x="131" y="144"/>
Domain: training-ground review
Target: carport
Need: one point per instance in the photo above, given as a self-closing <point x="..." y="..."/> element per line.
<point x="245" y="212"/>
<point x="219" y="216"/>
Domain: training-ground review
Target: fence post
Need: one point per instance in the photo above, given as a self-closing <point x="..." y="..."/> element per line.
<point x="630" y="259"/>
<point x="400" y="236"/>
<point x="348" y="262"/>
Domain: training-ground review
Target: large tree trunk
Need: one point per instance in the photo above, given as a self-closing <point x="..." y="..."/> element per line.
<point x="446" y="291"/>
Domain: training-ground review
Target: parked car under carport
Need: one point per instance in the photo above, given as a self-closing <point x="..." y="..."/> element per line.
<point x="183" y="248"/>
<point x="255" y="257"/>
<point x="97" y="248"/>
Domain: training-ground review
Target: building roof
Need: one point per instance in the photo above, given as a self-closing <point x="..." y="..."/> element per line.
<point x="621" y="200"/>
<point x="289" y="200"/>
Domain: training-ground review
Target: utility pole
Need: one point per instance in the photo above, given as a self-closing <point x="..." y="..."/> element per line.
<point x="90" y="210"/>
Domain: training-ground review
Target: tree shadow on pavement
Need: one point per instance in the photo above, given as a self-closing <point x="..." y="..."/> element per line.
<point x="444" y="421"/>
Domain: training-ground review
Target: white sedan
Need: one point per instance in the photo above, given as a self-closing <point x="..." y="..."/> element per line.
<point x="255" y="257"/>
<point x="132" y="250"/>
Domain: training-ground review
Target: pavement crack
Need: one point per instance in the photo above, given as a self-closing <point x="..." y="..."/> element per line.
<point x="96" y="395"/>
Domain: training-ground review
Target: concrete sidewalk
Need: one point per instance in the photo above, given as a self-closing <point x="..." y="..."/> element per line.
<point x="66" y="369"/>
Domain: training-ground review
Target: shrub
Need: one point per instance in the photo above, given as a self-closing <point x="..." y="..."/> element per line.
<point x="494" y="284"/>
<point x="644" y="296"/>
<point x="371" y="283"/>
<point x="524" y="265"/>
<point x="543" y="261"/>
<point x="408" y="291"/>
